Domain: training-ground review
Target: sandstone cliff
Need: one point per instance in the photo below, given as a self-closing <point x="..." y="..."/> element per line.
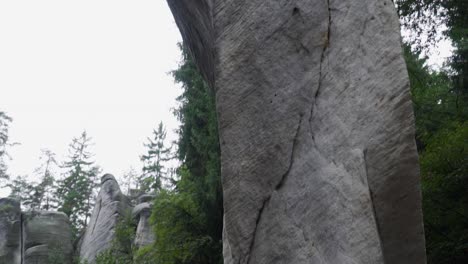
<point x="144" y="235"/>
<point x="47" y="237"/>
<point x="319" y="162"/>
<point x="110" y="207"/>
<point x="35" y="237"/>
<point x="44" y="237"/>
<point x="111" y="204"/>
<point x="10" y="231"/>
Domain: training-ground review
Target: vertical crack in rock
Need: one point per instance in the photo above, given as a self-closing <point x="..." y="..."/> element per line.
<point x="257" y="222"/>
<point x="322" y="58"/>
<point x="278" y="186"/>
<point x="364" y="155"/>
<point x="291" y="160"/>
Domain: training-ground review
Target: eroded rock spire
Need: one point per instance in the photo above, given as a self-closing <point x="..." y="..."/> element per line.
<point x="319" y="162"/>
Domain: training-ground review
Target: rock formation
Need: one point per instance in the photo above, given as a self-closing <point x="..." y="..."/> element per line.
<point x="144" y="235"/>
<point x="47" y="237"/>
<point x="43" y="237"/>
<point x="36" y="237"/>
<point x="319" y="162"/>
<point x="10" y="231"/>
<point x="111" y="205"/>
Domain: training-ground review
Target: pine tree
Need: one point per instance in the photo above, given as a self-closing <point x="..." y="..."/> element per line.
<point x="188" y="219"/>
<point x="129" y="181"/>
<point x="43" y="193"/>
<point x="76" y="190"/>
<point x="154" y="161"/>
<point x="21" y="190"/>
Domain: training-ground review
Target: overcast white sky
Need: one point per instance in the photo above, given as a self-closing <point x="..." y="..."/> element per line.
<point x="95" y="65"/>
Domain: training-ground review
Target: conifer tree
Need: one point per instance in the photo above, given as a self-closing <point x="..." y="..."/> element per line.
<point x="20" y="190"/>
<point x="129" y="181"/>
<point x="43" y="193"/>
<point x="76" y="190"/>
<point x="188" y="219"/>
<point x="154" y="161"/>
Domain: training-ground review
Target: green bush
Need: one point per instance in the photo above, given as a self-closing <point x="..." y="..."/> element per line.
<point x="444" y="167"/>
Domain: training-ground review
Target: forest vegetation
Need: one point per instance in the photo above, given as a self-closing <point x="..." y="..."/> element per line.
<point x="187" y="214"/>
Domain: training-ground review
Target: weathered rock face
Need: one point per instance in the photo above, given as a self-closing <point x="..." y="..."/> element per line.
<point x="10" y="231"/>
<point x="144" y="234"/>
<point x="146" y="198"/>
<point x="43" y="237"/>
<point x="111" y="205"/>
<point x="36" y="237"/>
<point x="319" y="163"/>
<point x="47" y="238"/>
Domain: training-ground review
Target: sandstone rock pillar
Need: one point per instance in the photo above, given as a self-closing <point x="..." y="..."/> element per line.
<point x="144" y="233"/>
<point x="47" y="238"/>
<point x="111" y="205"/>
<point x="318" y="157"/>
<point x="10" y="231"/>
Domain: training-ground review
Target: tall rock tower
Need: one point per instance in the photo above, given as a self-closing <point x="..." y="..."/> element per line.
<point x="319" y="162"/>
<point x="111" y="205"/>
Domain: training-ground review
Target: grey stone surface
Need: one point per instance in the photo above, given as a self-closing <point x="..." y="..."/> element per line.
<point x="141" y="208"/>
<point x="144" y="234"/>
<point x="10" y="231"/>
<point x="47" y="237"/>
<point x="111" y="204"/>
<point x="194" y="19"/>
<point x="146" y="198"/>
<point x="319" y="162"/>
